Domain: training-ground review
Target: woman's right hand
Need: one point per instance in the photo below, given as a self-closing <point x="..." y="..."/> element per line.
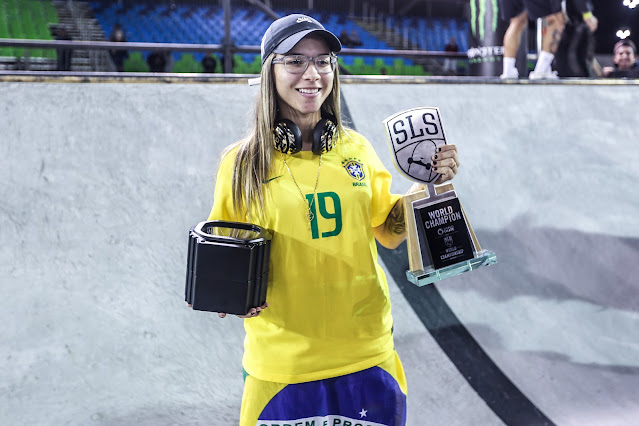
<point x="250" y="314"/>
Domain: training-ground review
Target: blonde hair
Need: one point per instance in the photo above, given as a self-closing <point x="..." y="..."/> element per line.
<point x="255" y="152"/>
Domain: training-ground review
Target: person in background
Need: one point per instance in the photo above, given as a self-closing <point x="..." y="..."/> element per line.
<point x="344" y="38"/>
<point x="156" y="61"/>
<point x="64" y="53"/>
<point x="625" y="60"/>
<point x="517" y="13"/>
<point x="209" y="63"/>
<point x="450" y="64"/>
<point x="118" y="56"/>
<point x="575" y="56"/>
<point x="322" y="348"/>
<point x="354" y="39"/>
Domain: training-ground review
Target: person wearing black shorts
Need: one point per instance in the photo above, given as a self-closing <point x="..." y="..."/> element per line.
<point x="518" y="12"/>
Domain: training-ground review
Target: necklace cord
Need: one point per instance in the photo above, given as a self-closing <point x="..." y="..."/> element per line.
<point x="309" y="213"/>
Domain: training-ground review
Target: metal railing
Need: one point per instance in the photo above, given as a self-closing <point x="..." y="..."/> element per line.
<point x="202" y="48"/>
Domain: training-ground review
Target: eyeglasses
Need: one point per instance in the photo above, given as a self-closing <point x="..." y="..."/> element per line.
<point x="298" y="64"/>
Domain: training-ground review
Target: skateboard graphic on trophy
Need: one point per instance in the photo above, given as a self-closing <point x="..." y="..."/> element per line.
<point x="441" y="242"/>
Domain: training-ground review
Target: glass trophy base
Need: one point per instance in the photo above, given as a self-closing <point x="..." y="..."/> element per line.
<point x="428" y="276"/>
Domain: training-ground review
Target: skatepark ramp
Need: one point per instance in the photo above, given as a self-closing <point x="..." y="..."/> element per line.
<point x="103" y="177"/>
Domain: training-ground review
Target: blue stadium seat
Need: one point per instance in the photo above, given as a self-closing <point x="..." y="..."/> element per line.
<point x="205" y="25"/>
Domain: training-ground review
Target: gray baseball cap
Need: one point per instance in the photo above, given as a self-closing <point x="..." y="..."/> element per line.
<point x="286" y="32"/>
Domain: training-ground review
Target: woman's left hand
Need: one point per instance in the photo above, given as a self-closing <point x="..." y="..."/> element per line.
<point x="445" y="162"/>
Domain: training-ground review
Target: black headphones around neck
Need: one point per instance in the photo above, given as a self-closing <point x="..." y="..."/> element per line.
<point x="287" y="137"/>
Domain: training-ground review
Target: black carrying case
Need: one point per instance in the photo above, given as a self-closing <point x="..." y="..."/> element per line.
<point x="227" y="267"/>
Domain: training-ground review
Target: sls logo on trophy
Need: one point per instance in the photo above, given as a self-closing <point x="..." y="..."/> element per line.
<point x="441" y="242"/>
<point x="414" y="136"/>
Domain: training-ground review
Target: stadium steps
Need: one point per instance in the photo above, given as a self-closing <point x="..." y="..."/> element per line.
<point x="396" y="41"/>
<point x="387" y="34"/>
<point x="81" y="25"/>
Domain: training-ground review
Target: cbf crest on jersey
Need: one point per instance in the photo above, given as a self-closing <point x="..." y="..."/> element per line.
<point x="355" y="169"/>
<point x="413" y="137"/>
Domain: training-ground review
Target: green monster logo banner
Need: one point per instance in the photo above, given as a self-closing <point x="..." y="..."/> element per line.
<point x="486" y="37"/>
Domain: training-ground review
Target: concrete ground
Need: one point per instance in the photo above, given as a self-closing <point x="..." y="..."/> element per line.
<point x="101" y="182"/>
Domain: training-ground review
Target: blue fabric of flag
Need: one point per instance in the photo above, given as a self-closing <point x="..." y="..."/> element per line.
<point x="368" y="397"/>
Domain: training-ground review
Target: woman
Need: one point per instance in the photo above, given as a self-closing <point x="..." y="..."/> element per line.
<point x="323" y="350"/>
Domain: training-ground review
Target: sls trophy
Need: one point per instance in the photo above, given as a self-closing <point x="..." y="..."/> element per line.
<point x="441" y="242"/>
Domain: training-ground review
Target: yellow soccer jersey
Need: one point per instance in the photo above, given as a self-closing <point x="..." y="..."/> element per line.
<point x="329" y="309"/>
